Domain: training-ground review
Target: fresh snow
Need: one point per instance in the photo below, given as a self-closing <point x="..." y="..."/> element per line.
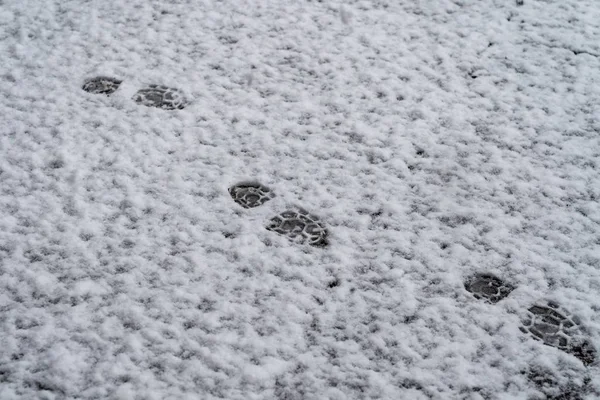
<point x="433" y="139"/>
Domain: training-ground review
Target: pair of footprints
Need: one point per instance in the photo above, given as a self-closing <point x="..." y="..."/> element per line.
<point x="153" y="96"/>
<point x="297" y="225"/>
<point x="549" y="323"/>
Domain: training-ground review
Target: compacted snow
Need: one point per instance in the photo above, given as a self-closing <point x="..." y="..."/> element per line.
<point x="299" y="199"/>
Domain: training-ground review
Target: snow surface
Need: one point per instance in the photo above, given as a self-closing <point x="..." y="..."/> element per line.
<point x="435" y="139"/>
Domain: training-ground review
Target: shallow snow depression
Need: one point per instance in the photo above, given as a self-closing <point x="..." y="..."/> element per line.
<point x="299" y="199"/>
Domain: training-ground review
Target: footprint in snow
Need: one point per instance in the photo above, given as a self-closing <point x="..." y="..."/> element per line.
<point x="488" y="287"/>
<point x="161" y="97"/>
<point x="250" y="194"/>
<point x="101" y="85"/>
<point x="557" y="328"/>
<point x="300" y="226"/>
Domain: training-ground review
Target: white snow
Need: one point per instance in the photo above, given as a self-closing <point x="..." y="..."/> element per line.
<point x="435" y="140"/>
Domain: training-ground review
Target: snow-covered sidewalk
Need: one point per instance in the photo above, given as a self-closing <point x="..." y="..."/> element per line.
<point x="145" y="251"/>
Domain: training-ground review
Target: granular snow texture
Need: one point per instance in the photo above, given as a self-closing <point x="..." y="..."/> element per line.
<point x="434" y="141"/>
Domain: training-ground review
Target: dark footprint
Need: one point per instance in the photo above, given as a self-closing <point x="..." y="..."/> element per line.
<point x="101" y="85"/>
<point x="560" y="330"/>
<point x="250" y="194"/>
<point x="161" y="97"/>
<point x="488" y="287"/>
<point x="300" y="226"/>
